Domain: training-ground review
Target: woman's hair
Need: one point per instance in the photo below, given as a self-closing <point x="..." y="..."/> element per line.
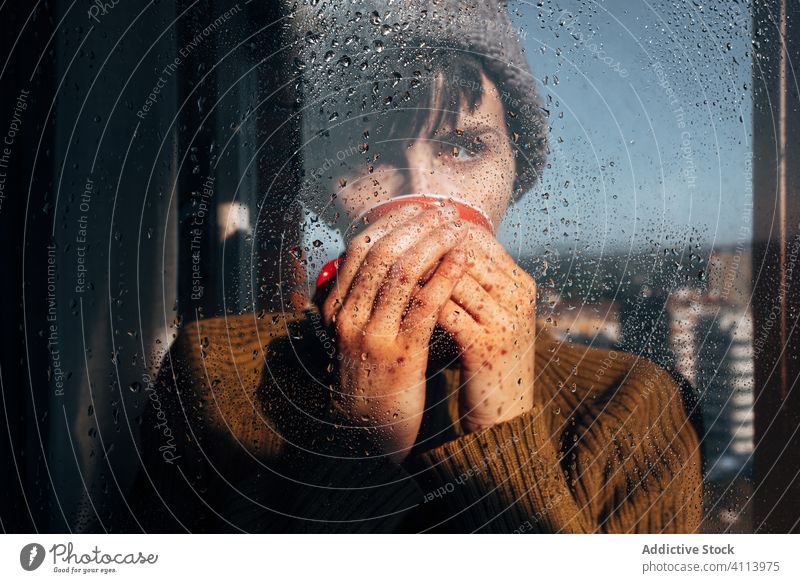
<point x="440" y="96"/>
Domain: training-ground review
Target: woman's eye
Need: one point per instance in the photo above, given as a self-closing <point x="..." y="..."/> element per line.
<point x="466" y="149"/>
<point x="463" y="154"/>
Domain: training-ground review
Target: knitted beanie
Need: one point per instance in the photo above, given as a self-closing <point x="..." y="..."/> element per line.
<point x="347" y="48"/>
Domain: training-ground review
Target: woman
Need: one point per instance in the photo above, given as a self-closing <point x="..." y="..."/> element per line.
<point x="415" y="392"/>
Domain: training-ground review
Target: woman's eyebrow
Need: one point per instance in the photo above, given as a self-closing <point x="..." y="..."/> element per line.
<point x="480" y="128"/>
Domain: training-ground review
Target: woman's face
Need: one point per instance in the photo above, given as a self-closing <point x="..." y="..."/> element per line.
<point x="473" y="161"/>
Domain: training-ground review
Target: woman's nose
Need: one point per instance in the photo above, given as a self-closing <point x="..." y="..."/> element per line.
<point x="423" y="172"/>
<point x="418" y="168"/>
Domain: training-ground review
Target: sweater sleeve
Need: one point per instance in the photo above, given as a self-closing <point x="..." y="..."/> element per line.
<point x="253" y="446"/>
<point x="636" y="457"/>
<point x="505" y="478"/>
<point x="626" y="460"/>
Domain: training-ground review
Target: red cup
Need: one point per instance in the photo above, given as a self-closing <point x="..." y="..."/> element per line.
<point x="466" y="211"/>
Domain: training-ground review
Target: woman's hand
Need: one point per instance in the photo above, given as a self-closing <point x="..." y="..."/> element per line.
<point x="383" y="319"/>
<point x="491" y="316"/>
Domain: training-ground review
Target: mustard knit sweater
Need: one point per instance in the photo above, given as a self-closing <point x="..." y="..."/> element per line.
<point x="241" y="436"/>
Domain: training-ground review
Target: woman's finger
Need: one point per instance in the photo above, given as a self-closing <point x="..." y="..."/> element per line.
<point x="428" y="303"/>
<point x="486" y="249"/>
<point x="515" y="293"/>
<point x="358" y="304"/>
<point x="403" y="278"/>
<point x="494" y="269"/>
<point x="358" y="249"/>
<point x="476" y="301"/>
<point x="457" y="322"/>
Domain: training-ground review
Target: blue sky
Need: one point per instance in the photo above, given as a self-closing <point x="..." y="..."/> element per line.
<point x="651" y="125"/>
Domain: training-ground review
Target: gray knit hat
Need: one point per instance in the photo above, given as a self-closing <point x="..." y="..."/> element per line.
<point x="348" y="51"/>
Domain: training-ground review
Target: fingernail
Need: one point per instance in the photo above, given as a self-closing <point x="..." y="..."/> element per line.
<point x="455" y="228"/>
<point x="461" y="227"/>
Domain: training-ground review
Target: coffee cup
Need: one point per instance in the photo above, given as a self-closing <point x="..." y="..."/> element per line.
<point x="466" y="210"/>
